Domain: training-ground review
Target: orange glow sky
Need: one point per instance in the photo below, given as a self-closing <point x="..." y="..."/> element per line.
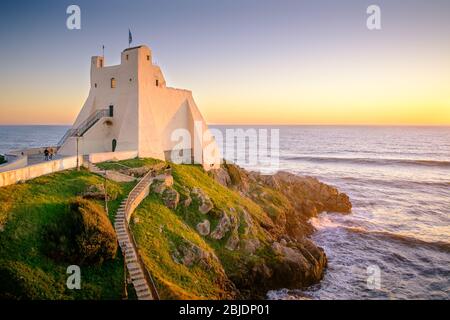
<point x="269" y="66"/>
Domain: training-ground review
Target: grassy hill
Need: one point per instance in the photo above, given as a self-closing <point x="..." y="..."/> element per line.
<point x="26" y="212"/>
<point x="218" y="235"/>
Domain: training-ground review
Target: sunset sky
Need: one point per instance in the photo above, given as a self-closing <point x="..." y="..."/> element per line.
<point x="246" y="61"/>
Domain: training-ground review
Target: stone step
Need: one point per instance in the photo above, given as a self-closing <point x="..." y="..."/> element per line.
<point x="142" y="290"/>
<point x="137" y="276"/>
<point x="133" y="266"/>
<point x="136" y="273"/>
<point x="124" y="244"/>
<point x="132" y="259"/>
<point x="122" y="233"/>
<point x="145" y="295"/>
<point x="121" y="229"/>
<point x="129" y="257"/>
<point x="138" y="283"/>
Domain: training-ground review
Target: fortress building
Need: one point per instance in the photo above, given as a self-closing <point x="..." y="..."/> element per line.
<point x="130" y="108"/>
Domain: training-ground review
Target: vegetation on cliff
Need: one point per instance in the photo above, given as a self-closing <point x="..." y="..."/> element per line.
<point x="230" y="233"/>
<point x="27" y="212"/>
<point x="224" y="234"/>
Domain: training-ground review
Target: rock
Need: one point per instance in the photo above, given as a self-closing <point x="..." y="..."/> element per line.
<point x="187" y="202"/>
<point x="94" y="192"/>
<point x="221" y="176"/>
<point x="185" y="196"/>
<point x="222" y="227"/>
<point x="188" y="254"/>
<point x="206" y="204"/>
<point x="161" y="182"/>
<point x="97" y="192"/>
<point x="171" y="198"/>
<point x="204" y="227"/>
<point x="251" y="245"/>
<point x="135" y="172"/>
<point x="249" y="223"/>
<point x="233" y="242"/>
<point x="309" y="208"/>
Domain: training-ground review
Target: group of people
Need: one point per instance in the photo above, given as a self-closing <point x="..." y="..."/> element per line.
<point x="48" y="154"/>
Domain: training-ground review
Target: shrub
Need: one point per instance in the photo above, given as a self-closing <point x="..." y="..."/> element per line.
<point x="83" y="235"/>
<point x="18" y="281"/>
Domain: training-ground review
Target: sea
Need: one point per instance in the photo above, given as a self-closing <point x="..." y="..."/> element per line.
<point x="396" y="242"/>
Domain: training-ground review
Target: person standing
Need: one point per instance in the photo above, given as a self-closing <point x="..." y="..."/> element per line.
<point x="46" y="153"/>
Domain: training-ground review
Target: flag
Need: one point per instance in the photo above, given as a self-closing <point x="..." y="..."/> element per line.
<point x="130" y="37"/>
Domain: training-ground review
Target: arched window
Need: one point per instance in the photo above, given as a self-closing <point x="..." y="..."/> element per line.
<point x="157" y="82"/>
<point x="113" y="82"/>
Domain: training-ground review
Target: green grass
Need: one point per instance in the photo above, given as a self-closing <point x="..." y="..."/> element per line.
<point x="160" y="230"/>
<point x="132" y="163"/>
<point x="25" y="211"/>
<point x="158" y="233"/>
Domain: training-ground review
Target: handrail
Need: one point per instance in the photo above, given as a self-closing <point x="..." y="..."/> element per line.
<point x="128" y="214"/>
<point x="85" y="125"/>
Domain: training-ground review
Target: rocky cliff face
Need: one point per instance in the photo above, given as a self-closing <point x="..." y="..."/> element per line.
<point x="290" y="201"/>
<point x="255" y="225"/>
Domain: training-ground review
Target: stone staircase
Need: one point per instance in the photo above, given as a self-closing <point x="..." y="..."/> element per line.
<point x="141" y="279"/>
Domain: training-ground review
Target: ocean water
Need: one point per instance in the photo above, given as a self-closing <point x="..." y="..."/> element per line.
<point x="399" y="182"/>
<point x="21" y="137"/>
<point x="396" y="242"/>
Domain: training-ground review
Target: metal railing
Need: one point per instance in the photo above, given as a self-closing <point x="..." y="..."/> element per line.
<point x="133" y="195"/>
<point x="85" y="125"/>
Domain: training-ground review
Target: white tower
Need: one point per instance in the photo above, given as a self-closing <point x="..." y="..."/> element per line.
<point x="129" y="108"/>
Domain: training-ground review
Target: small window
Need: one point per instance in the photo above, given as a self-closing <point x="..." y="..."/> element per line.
<point x="157" y="82"/>
<point x="113" y="82"/>
<point x="95" y="85"/>
<point x="131" y="79"/>
<point x="126" y="57"/>
<point x="101" y="63"/>
<point x="148" y="58"/>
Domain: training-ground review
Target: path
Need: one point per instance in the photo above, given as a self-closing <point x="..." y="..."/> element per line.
<point x="140" y="277"/>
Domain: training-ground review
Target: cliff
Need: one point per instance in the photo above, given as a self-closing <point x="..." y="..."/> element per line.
<point x="245" y="232"/>
<point x="224" y="234"/>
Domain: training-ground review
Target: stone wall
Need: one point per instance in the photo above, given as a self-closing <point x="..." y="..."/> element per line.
<point x="37" y="170"/>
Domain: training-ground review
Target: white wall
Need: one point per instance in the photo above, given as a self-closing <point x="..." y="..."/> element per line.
<point x="37" y="170"/>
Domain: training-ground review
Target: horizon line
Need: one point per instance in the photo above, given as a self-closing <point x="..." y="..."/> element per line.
<point x="263" y="124"/>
